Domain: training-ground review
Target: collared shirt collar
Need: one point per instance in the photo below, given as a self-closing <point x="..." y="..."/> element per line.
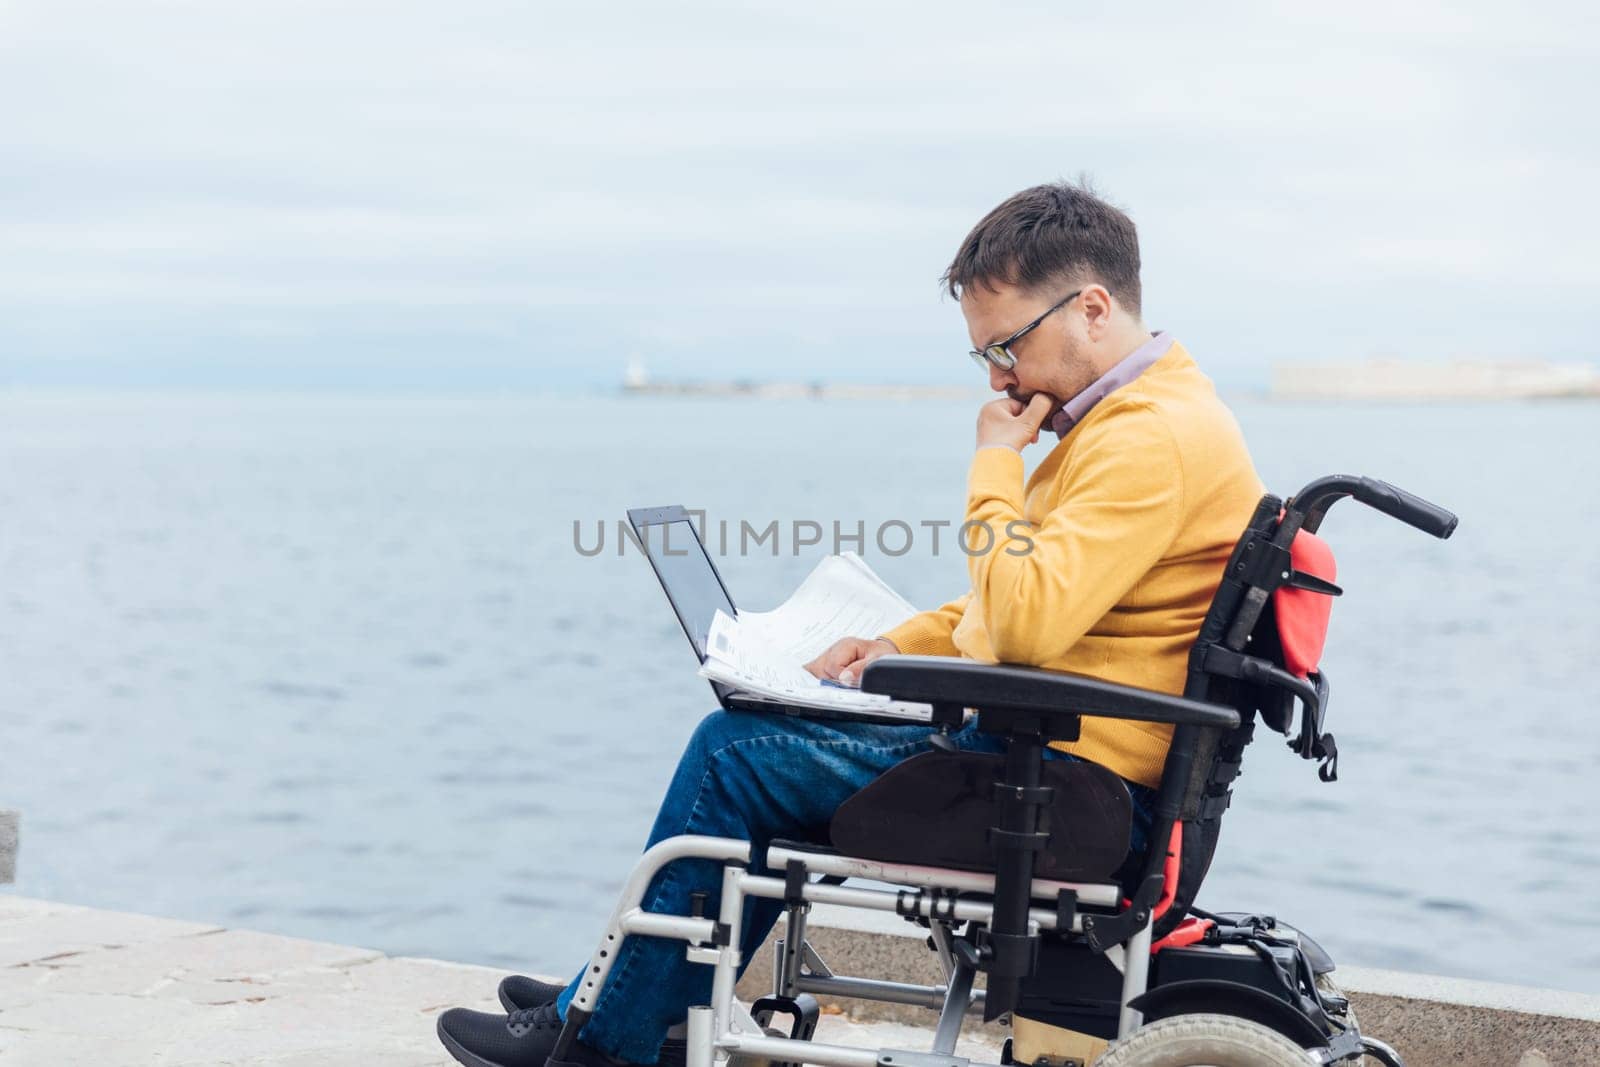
<point x="1130" y="367"/>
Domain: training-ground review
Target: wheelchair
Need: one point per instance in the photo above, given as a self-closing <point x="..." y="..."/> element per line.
<point x="1018" y="866"/>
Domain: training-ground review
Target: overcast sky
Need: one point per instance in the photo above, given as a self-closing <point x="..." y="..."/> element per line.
<point x="466" y="194"/>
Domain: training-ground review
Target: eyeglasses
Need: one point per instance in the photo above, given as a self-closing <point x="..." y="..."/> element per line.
<point x="1000" y="353"/>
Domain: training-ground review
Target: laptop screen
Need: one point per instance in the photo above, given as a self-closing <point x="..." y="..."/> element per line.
<point x="686" y="573"/>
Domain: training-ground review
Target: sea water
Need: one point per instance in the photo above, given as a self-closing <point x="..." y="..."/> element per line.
<point x="349" y="667"/>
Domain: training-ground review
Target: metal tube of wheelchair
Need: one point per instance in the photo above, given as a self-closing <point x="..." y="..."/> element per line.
<point x="786" y="1050"/>
<point x="1135" y="977"/>
<point x="881" y="900"/>
<point x="794" y="943"/>
<point x="698" y="1048"/>
<point x="919" y="996"/>
<point x="684" y="846"/>
<point x="957" y="999"/>
<point x="939" y="934"/>
<point x="780" y="968"/>
<point x="911" y="874"/>
<point x="654" y="924"/>
<point x="628" y="918"/>
<point x="727" y="966"/>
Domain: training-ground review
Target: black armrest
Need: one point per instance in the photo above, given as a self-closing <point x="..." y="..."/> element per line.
<point x="1003" y="687"/>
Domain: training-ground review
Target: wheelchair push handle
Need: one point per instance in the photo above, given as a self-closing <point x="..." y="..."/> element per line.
<point x="1315" y="499"/>
<point x="1407" y="507"/>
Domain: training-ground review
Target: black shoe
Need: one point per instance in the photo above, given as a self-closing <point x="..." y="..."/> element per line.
<point x="521" y="1039"/>
<point x="525" y="1038"/>
<point x="519" y="992"/>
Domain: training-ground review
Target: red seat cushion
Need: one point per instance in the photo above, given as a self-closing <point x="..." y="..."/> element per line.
<point x="1302" y="614"/>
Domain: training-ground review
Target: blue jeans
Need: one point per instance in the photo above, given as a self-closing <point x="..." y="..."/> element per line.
<point x="754" y="777"/>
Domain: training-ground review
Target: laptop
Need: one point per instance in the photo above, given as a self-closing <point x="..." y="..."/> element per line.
<point x="697" y="592"/>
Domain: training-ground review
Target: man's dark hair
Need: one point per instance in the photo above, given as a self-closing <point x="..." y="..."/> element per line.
<point x="1060" y="232"/>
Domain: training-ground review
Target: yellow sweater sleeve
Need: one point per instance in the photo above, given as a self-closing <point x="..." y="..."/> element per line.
<point x="1116" y="509"/>
<point x="928" y="633"/>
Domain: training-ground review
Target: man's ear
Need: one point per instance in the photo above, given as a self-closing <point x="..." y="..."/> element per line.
<point x="1097" y="309"/>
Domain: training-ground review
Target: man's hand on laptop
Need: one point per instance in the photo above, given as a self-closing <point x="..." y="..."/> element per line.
<point x="847" y="657"/>
<point x="1012" y="423"/>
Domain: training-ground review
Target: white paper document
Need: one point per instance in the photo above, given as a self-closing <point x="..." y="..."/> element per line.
<point x="764" y="652"/>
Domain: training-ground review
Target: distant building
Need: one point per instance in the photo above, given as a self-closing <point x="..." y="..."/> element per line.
<point x="635" y="378"/>
<point x="1397" y="379"/>
<point x="637" y="382"/>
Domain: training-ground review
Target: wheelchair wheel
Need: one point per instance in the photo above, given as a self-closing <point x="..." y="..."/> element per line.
<point x="1204" y="1040"/>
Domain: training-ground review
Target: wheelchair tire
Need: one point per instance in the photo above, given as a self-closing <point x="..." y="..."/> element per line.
<point x="1204" y="1040"/>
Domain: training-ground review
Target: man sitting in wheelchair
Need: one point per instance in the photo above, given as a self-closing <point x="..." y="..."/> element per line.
<point x="1103" y="568"/>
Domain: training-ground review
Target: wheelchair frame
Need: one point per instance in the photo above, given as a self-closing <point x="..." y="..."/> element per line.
<point x="720" y="1029"/>
<point x="1025" y="704"/>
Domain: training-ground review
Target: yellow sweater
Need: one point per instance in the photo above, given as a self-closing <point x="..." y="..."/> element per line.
<point x="1130" y="518"/>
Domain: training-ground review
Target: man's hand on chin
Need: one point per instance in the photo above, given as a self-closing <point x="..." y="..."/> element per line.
<point x="1011" y="422"/>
